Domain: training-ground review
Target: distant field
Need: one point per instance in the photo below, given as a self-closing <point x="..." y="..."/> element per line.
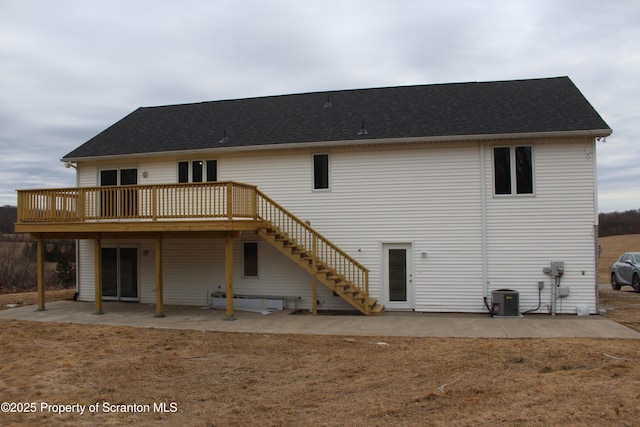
<point x="612" y="248"/>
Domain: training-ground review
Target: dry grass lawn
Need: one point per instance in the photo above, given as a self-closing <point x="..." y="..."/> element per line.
<point x="612" y="248"/>
<point x="225" y="379"/>
<point x="31" y="298"/>
<point x="621" y="306"/>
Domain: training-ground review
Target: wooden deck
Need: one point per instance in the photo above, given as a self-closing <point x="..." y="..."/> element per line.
<point x="181" y="208"/>
<point x="194" y="210"/>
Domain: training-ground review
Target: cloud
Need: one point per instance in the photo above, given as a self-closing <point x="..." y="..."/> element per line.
<point x="71" y="68"/>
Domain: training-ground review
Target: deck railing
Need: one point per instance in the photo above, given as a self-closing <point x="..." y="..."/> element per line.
<point x="312" y="242"/>
<point x="192" y="201"/>
<point x="211" y="200"/>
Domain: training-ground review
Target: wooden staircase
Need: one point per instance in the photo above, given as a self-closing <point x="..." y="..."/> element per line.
<point x="310" y="250"/>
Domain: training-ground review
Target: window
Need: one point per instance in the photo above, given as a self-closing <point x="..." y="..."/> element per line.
<point x="502" y="170"/>
<point x="321" y="172"/>
<point x="183" y="172"/>
<point x="122" y="202"/>
<point x="524" y="170"/>
<point x="197" y="170"/>
<point x="250" y="259"/>
<point x="212" y="170"/>
<point x="513" y="164"/>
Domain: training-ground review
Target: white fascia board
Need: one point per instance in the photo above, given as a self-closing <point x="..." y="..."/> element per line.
<point x="353" y="143"/>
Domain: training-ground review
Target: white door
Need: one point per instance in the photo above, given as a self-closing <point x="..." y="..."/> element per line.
<point x="397" y="276"/>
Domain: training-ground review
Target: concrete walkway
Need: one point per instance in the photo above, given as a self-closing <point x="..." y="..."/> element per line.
<point x="282" y="322"/>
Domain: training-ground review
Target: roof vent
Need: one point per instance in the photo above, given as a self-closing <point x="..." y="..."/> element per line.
<point x="224" y="138"/>
<point x="363" y="130"/>
<point x="328" y="103"/>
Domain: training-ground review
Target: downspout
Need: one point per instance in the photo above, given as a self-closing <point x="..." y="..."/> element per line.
<point x="483" y="225"/>
<point x="77" y="292"/>
<point x="596" y="222"/>
<point x="554" y="295"/>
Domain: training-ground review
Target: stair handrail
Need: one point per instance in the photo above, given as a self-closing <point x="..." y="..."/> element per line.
<point x="311" y="241"/>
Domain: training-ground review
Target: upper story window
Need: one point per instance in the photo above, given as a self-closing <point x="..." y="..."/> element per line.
<point x="320" y="171"/>
<point x="198" y="171"/>
<point x="513" y="170"/>
<point x="123" y="202"/>
<point x="118" y="177"/>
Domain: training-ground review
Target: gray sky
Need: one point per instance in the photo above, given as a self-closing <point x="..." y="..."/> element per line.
<point x="71" y="68"/>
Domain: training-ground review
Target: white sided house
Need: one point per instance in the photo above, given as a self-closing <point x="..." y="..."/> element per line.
<point x="469" y="197"/>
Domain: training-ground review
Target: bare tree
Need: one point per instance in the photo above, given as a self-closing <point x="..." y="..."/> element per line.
<point x="616" y="223"/>
<point x="18" y="267"/>
<point x="8" y="215"/>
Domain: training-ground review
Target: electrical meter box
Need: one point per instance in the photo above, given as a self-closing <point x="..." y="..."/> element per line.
<point x="557" y="268"/>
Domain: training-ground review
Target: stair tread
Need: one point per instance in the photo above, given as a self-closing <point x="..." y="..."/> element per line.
<point x="377" y="310"/>
<point x="325" y="273"/>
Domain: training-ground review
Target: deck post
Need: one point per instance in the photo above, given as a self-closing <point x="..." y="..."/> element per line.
<point x="314" y="274"/>
<point x="228" y="252"/>
<point x="97" y="255"/>
<point x="40" y="261"/>
<point x="154" y="203"/>
<point x="80" y="205"/>
<point x="159" y="283"/>
<point x="254" y="203"/>
<point x="230" y="201"/>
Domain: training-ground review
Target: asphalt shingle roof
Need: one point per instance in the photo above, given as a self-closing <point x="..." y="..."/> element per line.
<point x="443" y="110"/>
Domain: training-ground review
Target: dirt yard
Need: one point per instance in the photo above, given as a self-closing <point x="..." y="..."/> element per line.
<point x="149" y="377"/>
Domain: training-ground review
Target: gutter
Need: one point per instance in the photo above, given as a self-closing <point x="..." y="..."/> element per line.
<point x="353" y="143"/>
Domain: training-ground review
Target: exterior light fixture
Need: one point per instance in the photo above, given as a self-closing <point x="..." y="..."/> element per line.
<point x="224" y="138"/>
<point x="363" y="130"/>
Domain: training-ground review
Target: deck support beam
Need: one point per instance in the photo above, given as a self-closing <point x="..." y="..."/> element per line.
<point x="40" y="261"/>
<point x="228" y="252"/>
<point x="314" y="275"/>
<point x="159" y="279"/>
<point x="97" y="255"/>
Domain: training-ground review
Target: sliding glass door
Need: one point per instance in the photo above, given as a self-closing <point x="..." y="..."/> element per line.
<point x="120" y="273"/>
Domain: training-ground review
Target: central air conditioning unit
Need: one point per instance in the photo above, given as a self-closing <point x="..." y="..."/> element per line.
<point x="504" y="302"/>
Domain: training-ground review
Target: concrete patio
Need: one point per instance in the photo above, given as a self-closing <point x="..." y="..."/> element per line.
<point x="407" y="324"/>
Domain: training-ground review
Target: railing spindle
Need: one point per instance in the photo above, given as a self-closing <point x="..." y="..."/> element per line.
<point x="308" y="239"/>
<point x="209" y="200"/>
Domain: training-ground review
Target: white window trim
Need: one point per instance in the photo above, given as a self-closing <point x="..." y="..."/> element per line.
<point x="117" y="169"/>
<point x="257" y="276"/>
<point x="119" y="246"/>
<point x="313" y="173"/>
<point x="512" y="171"/>
<point x="190" y="170"/>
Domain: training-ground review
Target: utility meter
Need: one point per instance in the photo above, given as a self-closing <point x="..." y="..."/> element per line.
<point x="557" y="268"/>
